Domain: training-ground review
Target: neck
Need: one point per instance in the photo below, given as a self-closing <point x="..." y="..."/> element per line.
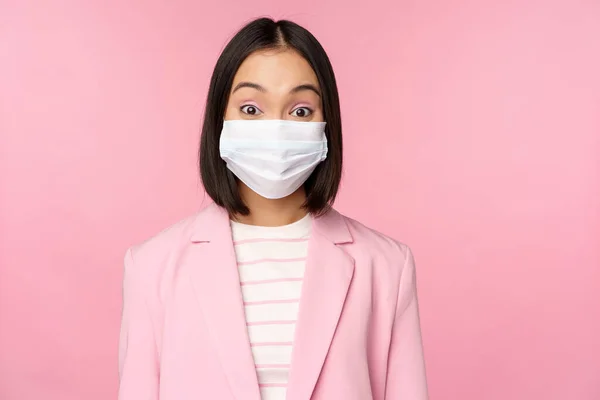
<point x="271" y="212"/>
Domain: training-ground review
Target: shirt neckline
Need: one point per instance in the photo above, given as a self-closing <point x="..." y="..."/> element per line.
<point x="299" y="228"/>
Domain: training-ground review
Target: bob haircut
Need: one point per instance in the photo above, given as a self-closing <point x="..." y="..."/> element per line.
<point x="263" y="34"/>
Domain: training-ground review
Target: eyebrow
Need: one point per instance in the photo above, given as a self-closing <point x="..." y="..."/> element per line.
<point x="307" y="86"/>
<point x="256" y="86"/>
<point x="249" y="85"/>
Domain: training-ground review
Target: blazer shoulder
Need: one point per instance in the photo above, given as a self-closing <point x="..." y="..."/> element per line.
<point x="150" y="255"/>
<point x="391" y="259"/>
<point x="364" y="235"/>
<point x="380" y="247"/>
<point x="166" y="239"/>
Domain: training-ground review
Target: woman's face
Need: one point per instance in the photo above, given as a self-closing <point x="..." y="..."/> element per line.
<point x="275" y="84"/>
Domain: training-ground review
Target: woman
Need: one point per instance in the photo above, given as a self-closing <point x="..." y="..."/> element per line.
<point x="269" y="293"/>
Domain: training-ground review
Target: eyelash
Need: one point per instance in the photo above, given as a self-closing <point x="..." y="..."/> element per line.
<point x="253" y="106"/>
<point x="309" y="111"/>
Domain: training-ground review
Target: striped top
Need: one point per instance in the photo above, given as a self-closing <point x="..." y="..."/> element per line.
<point x="271" y="262"/>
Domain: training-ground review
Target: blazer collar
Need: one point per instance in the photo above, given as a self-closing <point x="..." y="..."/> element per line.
<point x="327" y="279"/>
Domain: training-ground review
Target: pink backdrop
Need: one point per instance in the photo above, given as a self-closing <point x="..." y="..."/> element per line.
<point x="472" y="132"/>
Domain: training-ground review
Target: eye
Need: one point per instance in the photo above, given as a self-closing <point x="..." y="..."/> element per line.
<point x="250" y="110"/>
<point x="301" y="112"/>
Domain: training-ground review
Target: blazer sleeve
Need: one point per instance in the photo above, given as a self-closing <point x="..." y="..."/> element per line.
<point x="406" y="379"/>
<point x="138" y="356"/>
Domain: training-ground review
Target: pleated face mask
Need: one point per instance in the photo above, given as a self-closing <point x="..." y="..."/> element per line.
<point x="273" y="157"/>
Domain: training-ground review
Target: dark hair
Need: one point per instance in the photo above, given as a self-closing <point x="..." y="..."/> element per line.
<point x="264" y="33"/>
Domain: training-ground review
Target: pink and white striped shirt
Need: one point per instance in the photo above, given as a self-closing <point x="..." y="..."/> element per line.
<point x="271" y="262"/>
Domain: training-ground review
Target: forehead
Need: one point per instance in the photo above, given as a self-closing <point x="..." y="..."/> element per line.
<point x="276" y="68"/>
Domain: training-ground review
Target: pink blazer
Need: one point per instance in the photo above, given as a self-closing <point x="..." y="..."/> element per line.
<point x="184" y="336"/>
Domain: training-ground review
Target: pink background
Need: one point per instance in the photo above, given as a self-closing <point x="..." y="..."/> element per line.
<point x="472" y="133"/>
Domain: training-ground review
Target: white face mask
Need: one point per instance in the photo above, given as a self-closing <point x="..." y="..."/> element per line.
<point x="273" y="157"/>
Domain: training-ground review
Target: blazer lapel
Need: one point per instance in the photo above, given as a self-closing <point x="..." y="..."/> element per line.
<point x="328" y="274"/>
<point x="216" y="282"/>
